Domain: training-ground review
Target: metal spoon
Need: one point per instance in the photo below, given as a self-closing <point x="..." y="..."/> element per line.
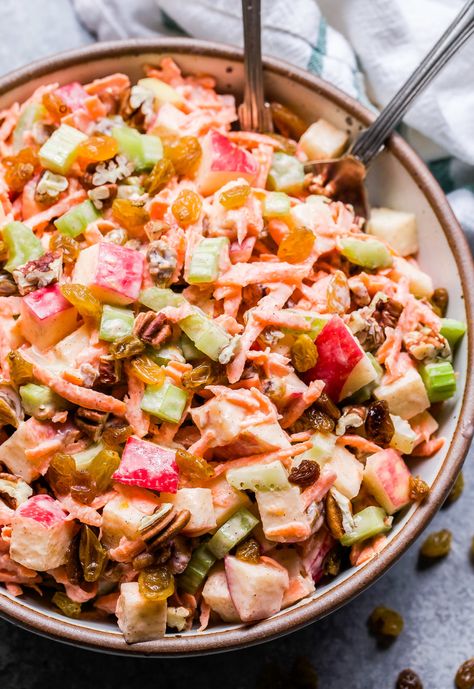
<point x="343" y="178"/>
<point x="254" y="113"/>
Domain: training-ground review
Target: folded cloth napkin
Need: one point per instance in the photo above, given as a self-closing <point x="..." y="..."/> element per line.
<point x="365" y="47"/>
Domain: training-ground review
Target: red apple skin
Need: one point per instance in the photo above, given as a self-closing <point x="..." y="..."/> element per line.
<point x="73" y="95"/>
<point x="222" y="161"/>
<point x="148" y="465"/>
<point x="338" y="354"/>
<point x="46" y="316"/>
<point x="387" y="477"/>
<point x="114" y="273"/>
<point x="43" y="509"/>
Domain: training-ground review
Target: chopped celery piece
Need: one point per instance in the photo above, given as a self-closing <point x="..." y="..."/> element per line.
<point x="31" y="113"/>
<point x="22" y="245"/>
<point x="286" y="174"/>
<point x="115" y="323"/>
<point x="452" y="330"/>
<point x="439" y="379"/>
<point x="58" y="153"/>
<point x="152" y="151"/>
<point x="323" y="447"/>
<point x="259" y="477"/>
<point x="197" y="570"/>
<point x="369" y="522"/>
<point x="157" y="298"/>
<point x="316" y="320"/>
<point x="376" y="365"/>
<point x="40" y="401"/>
<point x="368" y="253"/>
<point x="190" y="352"/>
<point x="165" y="401"/>
<point x="276" y="203"/>
<point x="209" y="337"/>
<point x="166" y="353"/>
<point x="75" y="221"/>
<point x="232" y="532"/>
<point x="85" y="457"/>
<point x="205" y="260"/>
<point x="144" y="150"/>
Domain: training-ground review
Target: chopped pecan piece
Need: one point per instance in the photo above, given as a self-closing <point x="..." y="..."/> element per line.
<point x="102" y="196"/>
<point x="152" y="328"/>
<point x="13" y="490"/>
<point x="155" y="228"/>
<point x="90" y="422"/>
<point x="387" y="312"/>
<point x="426" y="345"/>
<point x="306" y="473"/>
<point x="38" y="273"/>
<point x="110" y="371"/>
<point x="352" y="417"/>
<point x="162" y="261"/>
<point x="334" y="516"/>
<point x="108" y="172"/>
<point x="8" y="286"/>
<point x="371" y="336"/>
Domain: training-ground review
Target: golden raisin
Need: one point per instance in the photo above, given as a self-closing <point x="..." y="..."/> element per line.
<point x="159" y="177"/>
<point x="287" y="122"/>
<point x="156" y="583"/>
<point x="21" y="371"/>
<point x="249" y="551"/>
<point x="385" y="622"/>
<point x="235" y="197"/>
<point x="97" y="148"/>
<point x="104" y="464"/>
<point x="437" y="544"/>
<point x="187" y="207"/>
<point x="439" y="301"/>
<point x="20" y="168"/>
<point x="117" y="434"/>
<point x="55" y="105"/>
<point x="456" y="490"/>
<point x="125" y="347"/>
<point x="419" y="489"/>
<point x="304" y="353"/>
<point x="130" y="215"/>
<point x="185" y="154"/>
<point x="82" y="298"/>
<point x="147" y="371"/>
<point x="296" y="246"/>
<point x="207" y="373"/>
<point x="92" y="554"/>
<point x="61" y="472"/>
<point x="338" y="295"/>
<point x="67" y="245"/>
<point x="67" y="606"/>
<point x="193" y="467"/>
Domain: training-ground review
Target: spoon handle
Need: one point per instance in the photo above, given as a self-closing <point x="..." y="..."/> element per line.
<point x="253" y="113"/>
<point x="372" y="139"/>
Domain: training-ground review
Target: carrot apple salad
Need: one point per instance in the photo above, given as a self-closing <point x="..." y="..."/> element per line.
<point x="213" y="375"/>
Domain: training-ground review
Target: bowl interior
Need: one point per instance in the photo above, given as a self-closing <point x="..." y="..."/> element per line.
<point x="397" y="180"/>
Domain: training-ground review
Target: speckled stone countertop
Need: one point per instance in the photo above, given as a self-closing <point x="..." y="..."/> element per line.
<point x="437" y="603"/>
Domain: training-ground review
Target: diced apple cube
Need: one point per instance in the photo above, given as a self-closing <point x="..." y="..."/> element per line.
<point x="114" y="273"/>
<point x="323" y="446"/>
<point x="348" y="469"/>
<point x="199" y="503"/>
<point x="425" y="424"/>
<point x="406" y="396"/>
<point x="323" y="141"/>
<point x="387" y="477"/>
<point x="72" y="94"/>
<point x="342" y="363"/>
<point x="121" y="516"/>
<point x="148" y="465"/>
<point x="226" y="499"/>
<point x="14" y="452"/>
<point x="139" y="618"/>
<point x="46" y="317"/>
<point x="217" y="595"/>
<point x="41" y="534"/>
<point x="301" y="584"/>
<point x="420" y="283"/>
<point x="404" y="437"/>
<point x="256" y="590"/>
<point x="265" y="437"/>
<point x="222" y="161"/>
<point x="283" y="517"/>
<point x="163" y="92"/>
<point x="169" y="121"/>
<point x="397" y="228"/>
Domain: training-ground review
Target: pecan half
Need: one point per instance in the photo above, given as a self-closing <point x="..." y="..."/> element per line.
<point x="334" y="517"/>
<point x="90" y="422"/>
<point x="352" y="417"/>
<point x="306" y="473"/>
<point x="159" y="529"/>
<point x="102" y="196"/>
<point x="8" y="285"/>
<point x="152" y="328"/>
<point x="426" y="345"/>
<point x="371" y="336"/>
<point x="13" y="490"/>
<point x="39" y="272"/>
<point x="110" y="371"/>
<point x="387" y="312"/>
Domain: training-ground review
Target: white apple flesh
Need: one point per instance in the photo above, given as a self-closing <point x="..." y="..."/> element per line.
<point x="256" y="590"/>
<point x="46" y="317"/>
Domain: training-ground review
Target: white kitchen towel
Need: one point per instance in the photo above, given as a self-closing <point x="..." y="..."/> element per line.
<point x="365" y="47"/>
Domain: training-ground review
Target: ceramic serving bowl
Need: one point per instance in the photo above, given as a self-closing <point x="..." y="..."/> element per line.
<point x="398" y="179"/>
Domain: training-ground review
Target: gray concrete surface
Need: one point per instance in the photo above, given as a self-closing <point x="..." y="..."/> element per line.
<point x="437" y="603"/>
